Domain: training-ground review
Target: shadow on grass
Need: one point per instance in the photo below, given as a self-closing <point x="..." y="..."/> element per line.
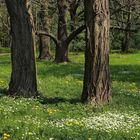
<point x="61" y="70"/>
<point x="125" y="102"/>
<point x="122" y="73"/>
<point x="57" y="100"/>
<point x="5" y="63"/>
<point x="3" y="92"/>
<point x="120" y="102"/>
<point x="126" y="73"/>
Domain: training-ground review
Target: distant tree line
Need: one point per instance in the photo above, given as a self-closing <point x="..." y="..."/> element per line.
<point x="125" y="24"/>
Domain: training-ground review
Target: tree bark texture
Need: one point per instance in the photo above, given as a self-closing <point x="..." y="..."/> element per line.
<point x="96" y="88"/>
<point x="23" y="77"/>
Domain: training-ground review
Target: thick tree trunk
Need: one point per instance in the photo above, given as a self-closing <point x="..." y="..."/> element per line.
<point x="61" y="54"/>
<point x="23" y="78"/>
<point x="44" y="41"/>
<point x="44" y="49"/>
<point x="62" y="32"/>
<point x="96" y="88"/>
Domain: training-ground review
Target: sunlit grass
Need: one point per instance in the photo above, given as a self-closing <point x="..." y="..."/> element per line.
<point x="60" y="115"/>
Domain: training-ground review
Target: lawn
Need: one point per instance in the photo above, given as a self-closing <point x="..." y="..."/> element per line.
<point x="60" y="115"/>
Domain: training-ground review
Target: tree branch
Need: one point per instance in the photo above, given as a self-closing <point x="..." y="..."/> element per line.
<point x="75" y="33"/>
<point x="124" y="29"/>
<point x="49" y="35"/>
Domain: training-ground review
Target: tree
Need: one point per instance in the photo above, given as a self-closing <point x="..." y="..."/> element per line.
<point x="74" y="4"/>
<point x="62" y="51"/>
<point x="62" y="40"/>
<point x="23" y="78"/>
<point x="4" y="26"/>
<point x="76" y="12"/>
<point x="126" y="40"/>
<point x="96" y="88"/>
<point x="124" y="22"/>
<point x="44" y="41"/>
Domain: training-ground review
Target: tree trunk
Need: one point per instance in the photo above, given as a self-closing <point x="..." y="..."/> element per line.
<point x="61" y="54"/>
<point x="62" y="50"/>
<point x="125" y="42"/>
<point x="23" y="78"/>
<point x="73" y="9"/>
<point x="44" y="49"/>
<point x="74" y="4"/>
<point x="96" y="88"/>
<point x="44" y="41"/>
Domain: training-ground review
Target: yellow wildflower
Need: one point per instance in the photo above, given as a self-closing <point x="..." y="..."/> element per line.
<point x="69" y="124"/>
<point x="6" y="136"/>
<point x="51" y="111"/>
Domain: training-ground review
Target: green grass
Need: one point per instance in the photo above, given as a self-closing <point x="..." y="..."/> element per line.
<point x="4" y="50"/>
<point x="61" y="115"/>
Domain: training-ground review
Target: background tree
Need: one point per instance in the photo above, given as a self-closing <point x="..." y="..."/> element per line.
<point x="23" y="78"/>
<point x="76" y="11"/>
<point x="63" y="39"/>
<point x="125" y="23"/>
<point x="96" y="88"/>
<point x="4" y="26"/>
<point x="62" y="51"/>
<point x="44" y="41"/>
<point x="73" y="7"/>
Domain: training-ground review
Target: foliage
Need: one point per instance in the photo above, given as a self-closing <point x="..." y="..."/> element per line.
<point x="4" y="27"/>
<point x="135" y="41"/>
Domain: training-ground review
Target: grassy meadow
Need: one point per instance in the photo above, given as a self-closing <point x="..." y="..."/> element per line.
<point x="60" y="115"/>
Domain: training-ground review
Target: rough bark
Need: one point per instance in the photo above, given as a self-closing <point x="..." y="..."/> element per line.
<point x="44" y="41"/>
<point x="23" y="77"/>
<point x="96" y="88"/>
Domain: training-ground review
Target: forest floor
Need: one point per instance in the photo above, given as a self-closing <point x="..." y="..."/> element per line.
<point x="61" y="116"/>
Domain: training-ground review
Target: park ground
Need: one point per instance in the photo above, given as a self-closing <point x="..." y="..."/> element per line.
<point x="59" y="114"/>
